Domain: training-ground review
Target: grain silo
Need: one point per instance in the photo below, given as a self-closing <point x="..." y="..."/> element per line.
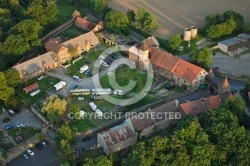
<point x="194" y="31"/>
<point x="187" y="34"/>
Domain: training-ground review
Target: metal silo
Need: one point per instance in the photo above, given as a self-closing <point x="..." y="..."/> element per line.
<point x="187" y="34"/>
<point x="194" y="31"/>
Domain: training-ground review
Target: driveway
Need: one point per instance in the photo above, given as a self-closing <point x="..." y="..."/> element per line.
<point x="45" y="157"/>
<point x="81" y="146"/>
<point x="25" y="116"/>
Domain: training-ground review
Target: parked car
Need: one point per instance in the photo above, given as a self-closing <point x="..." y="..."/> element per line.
<point x="74" y="86"/>
<point x="115" y="56"/>
<point x="80" y="98"/>
<point x="17" y="111"/>
<point x="25" y="156"/>
<point x="85" y="139"/>
<point x="30" y="152"/>
<point x="11" y="112"/>
<point x="39" y="146"/>
<point x="8" y="127"/>
<point x="44" y="143"/>
<point x="6" y="120"/>
<point x="77" y="78"/>
<point x="40" y="78"/>
<point x="169" y="86"/>
<point x="21" y="125"/>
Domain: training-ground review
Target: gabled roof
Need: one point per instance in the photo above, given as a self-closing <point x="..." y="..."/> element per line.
<point x="31" y="87"/>
<point x="82" y="40"/>
<point x="54" y="46"/>
<point x="199" y="106"/>
<point x="186" y="71"/>
<point x="144" y="47"/>
<point x="36" y="64"/>
<point x="142" y="120"/>
<point x="151" y="41"/>
<point x="162" y="59"/>
<point x="85" y="23"/>
<point x="118" y="134"/>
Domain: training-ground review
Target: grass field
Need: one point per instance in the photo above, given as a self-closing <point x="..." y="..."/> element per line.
<point x="45" y="85"/>
<point x="72" y="32"/>
<point x="25" y="132"/>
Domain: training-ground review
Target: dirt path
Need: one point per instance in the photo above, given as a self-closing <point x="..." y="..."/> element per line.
<point x="174" y="15"/>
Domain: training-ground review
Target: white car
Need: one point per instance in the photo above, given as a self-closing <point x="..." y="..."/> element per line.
<point x="21" y="125"/>
<point x="44" y="143"/>
<point x="40" y="78"/>
<point x="25" y="156"/>
<point x="80" y="98"/>
<point x="30" y="152"/>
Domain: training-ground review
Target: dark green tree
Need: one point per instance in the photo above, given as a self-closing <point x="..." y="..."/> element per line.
<point x="131" y="15"/>
<point x="203" y="56"/>
<point x="13" y="77"/>
<point x="99" y="161"/>
<point x="174" y="42"/>
<point x="5" y="90"/>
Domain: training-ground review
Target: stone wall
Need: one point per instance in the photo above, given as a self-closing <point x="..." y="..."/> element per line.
<point x="39" y="115"/>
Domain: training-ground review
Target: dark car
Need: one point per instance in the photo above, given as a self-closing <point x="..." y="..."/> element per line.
<point x="85" y="139"/>
<point x="74" y="86"/>
<point x="17" y="111"/>
<point x="115" y="56"/>
<point x="8" y="127"/>
<point x="6" y="120"/>
<point x="39" y="146"/>
<point x="168" y="86"/>
<point x="108" y="62"/>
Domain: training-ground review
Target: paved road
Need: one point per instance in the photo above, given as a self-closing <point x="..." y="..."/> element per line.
<point x="136" y="36"/>
<point x="44" y="157"/>
<point x="26" y="116"/>
<point x="86" y="145"/>
<point x="235" y="85"/>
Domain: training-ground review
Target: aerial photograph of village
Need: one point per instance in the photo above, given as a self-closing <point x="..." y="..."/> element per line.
<point x="124" y="82"/>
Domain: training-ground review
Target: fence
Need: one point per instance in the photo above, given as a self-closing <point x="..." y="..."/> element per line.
<point x="20" y="148"/>
<point x="77" y="59"/>
<point x="65" y="66"/>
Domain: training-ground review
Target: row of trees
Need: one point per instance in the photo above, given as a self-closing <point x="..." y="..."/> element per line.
<point x="118" y="22"/>
<point x="22" y="23"/>
<point x="215" y="138"/>
<point x="219" y="25"/>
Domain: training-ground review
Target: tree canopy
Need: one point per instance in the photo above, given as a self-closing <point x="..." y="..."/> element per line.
<point x="131" y="15"/>
<point x="5" y="90"/>
<point x="146" y="20"/>
<point x="174" y="42"/>
<point x="203" y="56"/>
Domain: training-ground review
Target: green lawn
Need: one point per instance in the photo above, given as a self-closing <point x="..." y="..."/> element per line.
<point x="123" y="76"/>
<point x="65" y="13"/>
<point x="26" y="132"/>
<point x="45" y="85"/>
<point x="7" y="146"/>
<point x="72" y="32"/>
<point x="90" y="58"/>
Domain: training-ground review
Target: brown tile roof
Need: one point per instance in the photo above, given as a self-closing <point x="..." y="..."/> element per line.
<point x="142" y="120"/>
<point x="186" y="71"/>
<point x="144" y="47"/>
<point x="76" y="14"/>
<point x="53" y="45"/>
<point x="31" y="87"/>
<point x="37" y="63"/>
<point x="82" y="40"/>
<point x="152" y="41"/>
<point x="118" y="134"/>
<point x="199" y="106"/>
<point x="162" y="59"/>
<point x="85" y="23"/>
<point x="225" y="83"/>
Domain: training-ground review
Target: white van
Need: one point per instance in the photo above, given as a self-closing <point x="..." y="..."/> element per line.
<point x="92" y="106"/>
<point x="84" y="68"/>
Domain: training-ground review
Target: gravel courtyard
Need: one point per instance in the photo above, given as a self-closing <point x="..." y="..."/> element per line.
<point x="232" y="66"/>
<point x="175" y="15"/>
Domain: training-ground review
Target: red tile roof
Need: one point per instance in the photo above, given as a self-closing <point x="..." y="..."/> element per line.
<point x="225" y="83"/>
<point x="85" y="23"/>
<point x="199" y="106"/>
<point x="31" y="87"/>
<point x="186" y="71"/>
<point x="142" y="121"/>
<point x="118" y="134"/>
<point x="162" y="59"/>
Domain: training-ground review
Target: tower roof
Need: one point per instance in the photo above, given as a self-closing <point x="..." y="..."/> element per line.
<point x="211" y="71"/>
<point x="76" y="14"/>
<point x="144" y="47"/>
<point x="225" y="83"/>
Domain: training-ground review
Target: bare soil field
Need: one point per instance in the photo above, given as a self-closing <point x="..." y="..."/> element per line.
<point x="175" y="15"/>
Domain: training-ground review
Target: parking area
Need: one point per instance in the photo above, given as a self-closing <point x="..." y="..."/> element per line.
<point x="26" y="116"/>
<point x="45" y="157"/>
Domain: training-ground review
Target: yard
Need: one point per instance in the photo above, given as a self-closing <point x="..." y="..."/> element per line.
<point x="45" y="85"/>
<point x="88" y="59"/>
<point x="71" y="32"/>
<point x="24" y="132"/>
<point x="123" y="76"/>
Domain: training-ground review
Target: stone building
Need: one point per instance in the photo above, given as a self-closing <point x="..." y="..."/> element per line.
<point x="182" y="73"/>
<point x="154" y="120"/>
<point x="117" y="138"/>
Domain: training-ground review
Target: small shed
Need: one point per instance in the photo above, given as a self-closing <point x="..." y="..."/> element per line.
<point x="31" y="87"/>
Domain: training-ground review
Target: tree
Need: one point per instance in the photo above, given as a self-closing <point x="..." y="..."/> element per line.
<point x="116" y="21"/>
<point x="99" y="161"/>
<point x="203" y="56"/>
<point x="247" y="27"/>
<point x="100" y="5"/>
<point x="174" y="42"/>
<point x="65" y="133"/>
<point x="74" y="108"/>
<point x="66" y="151"/>
<point x="44" y="13"/>
<point x="5" y="90"/>
<point x="131" y="15"/>
<point x="54" y="107"/>
<point x="213" y="19"/>
<point x="13" y="102"/>
<point x="232" y="15"/>
<point x="13" y="77"/>
<point x="145" y="20"/>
